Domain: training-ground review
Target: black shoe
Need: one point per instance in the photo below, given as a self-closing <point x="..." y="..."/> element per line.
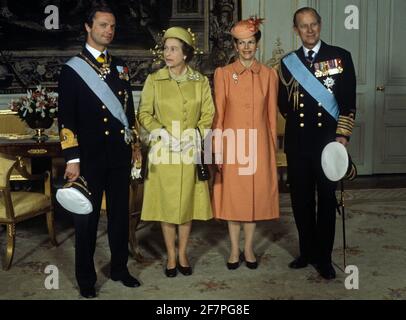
<point x="186" y="271"/>
<point x="170" y="273"/>
<point x="88" y="293"/>
<point x="127" y="280"/>
<point x="326" y="271"/>
<point x="250" y="265"/>
<point x="234" y="265"/>
<point x="299" y="263"/>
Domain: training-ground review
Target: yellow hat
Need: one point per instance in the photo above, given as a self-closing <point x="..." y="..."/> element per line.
<point x="246" y="28"/>
<point x="182" y="34"/>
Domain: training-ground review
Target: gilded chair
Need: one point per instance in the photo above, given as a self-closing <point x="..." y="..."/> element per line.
<point x="281" y="161"/>
<point x="135" y="201"/>
<point x="20" y="206"/>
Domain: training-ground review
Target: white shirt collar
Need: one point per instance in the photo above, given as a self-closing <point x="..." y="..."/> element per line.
<point x="95" y="53"/>
<point x="315" y="49"/>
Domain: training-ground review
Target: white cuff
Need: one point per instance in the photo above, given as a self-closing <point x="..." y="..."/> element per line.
<point x="77" y="160"/>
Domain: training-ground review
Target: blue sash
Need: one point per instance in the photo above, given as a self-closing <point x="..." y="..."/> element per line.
<point x="310" y="83"/>
<point x="102" y="91"/>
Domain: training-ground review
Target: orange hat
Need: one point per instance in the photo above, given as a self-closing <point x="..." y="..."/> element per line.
<point x="246" y="28"/>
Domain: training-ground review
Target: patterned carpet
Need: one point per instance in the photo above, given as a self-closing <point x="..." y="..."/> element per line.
<point x="376" y="237"/>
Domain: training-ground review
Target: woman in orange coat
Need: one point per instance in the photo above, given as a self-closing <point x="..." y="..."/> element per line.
<point x="245" y="187"/>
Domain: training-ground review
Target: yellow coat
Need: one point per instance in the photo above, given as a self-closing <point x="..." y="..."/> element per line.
<point x="172" y="192"/>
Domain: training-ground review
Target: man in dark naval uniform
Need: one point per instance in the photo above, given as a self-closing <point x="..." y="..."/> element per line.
<point x="96" y="127"/>
<point x="317" y="94"/>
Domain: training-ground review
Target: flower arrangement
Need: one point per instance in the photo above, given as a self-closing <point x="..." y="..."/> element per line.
<point x="38" y="108"/>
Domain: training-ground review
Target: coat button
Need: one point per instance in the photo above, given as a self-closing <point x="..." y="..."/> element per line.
<point x="103" y="107"/>
<point x="122" y="131"/>
<point x="302" y="125"/>
<point x="320" y="104"/>
<point x="319" y="125"/>
<point x="301" y="95"/>
<point x="120" y="93"/>
<point x="301" y="115"/>
<point x="319" y="114"/>
<point x="107" y="132"/>
<point x="301" y="105"/>
<point x="105" y="119"/>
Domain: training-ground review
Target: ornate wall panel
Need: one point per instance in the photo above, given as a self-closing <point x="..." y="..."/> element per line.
<point x="30" y="59"/>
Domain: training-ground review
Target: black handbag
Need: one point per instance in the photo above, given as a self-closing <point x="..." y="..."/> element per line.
<point x="203" y="173"/>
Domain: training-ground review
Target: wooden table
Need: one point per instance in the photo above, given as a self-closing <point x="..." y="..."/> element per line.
<point x="41" y="154"/>
<point x="28" y="148"/>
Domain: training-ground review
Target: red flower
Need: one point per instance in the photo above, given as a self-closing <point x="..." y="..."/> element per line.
<point x="255" y="22"/>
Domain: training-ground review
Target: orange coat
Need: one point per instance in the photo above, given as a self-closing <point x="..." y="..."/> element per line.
<point x="246" y="98"/>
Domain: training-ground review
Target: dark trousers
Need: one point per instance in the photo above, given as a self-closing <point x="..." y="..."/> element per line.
<point x="315" y="225"/>
<point x="115" y="182"/>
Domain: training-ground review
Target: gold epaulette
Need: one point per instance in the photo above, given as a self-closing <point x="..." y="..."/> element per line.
<point x="345" y="125"/>
<point x="68" y="139"/>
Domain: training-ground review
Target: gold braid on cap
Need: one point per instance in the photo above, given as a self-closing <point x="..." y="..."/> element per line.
<point x="158" y="50"/>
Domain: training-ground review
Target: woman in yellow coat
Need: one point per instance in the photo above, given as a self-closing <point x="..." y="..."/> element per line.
<point x="176" y="106"/>
<point x="246" y="109"/>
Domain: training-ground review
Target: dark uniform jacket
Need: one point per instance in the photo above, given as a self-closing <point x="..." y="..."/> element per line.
<point x="87" y="128"/>
<point x="309" y="127"/>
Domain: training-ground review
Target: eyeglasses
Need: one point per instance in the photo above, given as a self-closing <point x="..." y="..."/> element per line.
<point x="250" y="43"/>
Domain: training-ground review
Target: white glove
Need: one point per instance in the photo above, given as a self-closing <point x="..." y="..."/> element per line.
<point x="136" y="173"/>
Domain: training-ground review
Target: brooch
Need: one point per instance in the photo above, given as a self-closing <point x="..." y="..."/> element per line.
<point x="235" y="77"/>
<point x="193" y="76"/>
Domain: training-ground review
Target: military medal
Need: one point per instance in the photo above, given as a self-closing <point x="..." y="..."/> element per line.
<point x="103" y="71"/>
<point x="329" y="83"/>
<point x="335" y="67"/>
<point x="318" y="73"/>
<point x="328" y="68"/>
<point x="123" y="73"/>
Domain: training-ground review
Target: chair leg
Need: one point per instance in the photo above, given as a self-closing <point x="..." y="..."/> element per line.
<point x="51" y="227"/>
<point x="134" y="249"/>
<point x="11" y="239"/>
